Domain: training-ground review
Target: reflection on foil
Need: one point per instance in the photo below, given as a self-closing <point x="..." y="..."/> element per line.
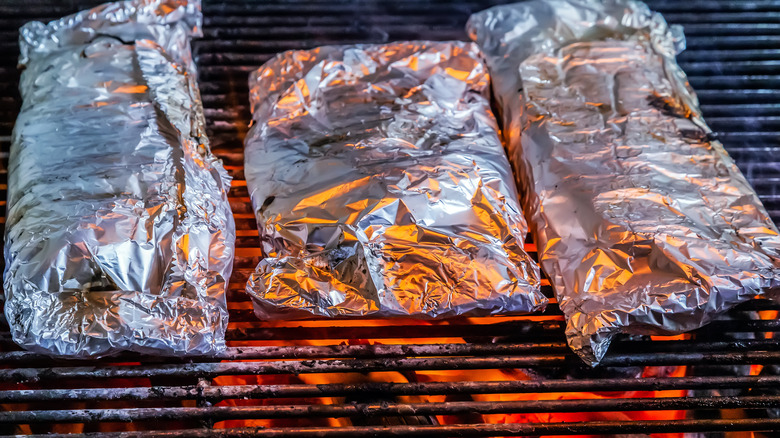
<point x="119" y="234"/>
<point x="644" y="224"/>
<point x="380" y="186"/>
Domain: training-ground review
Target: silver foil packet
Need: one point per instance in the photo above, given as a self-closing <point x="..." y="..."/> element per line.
<point x="643" y="222"/>
<point x="381" y="187"/>
<point x="119" y="234"/>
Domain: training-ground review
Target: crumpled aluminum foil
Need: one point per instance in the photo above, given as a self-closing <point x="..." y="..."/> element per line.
<point x="381" y="187"/>
<point x="119" y="234"/>
<point x="643" y="223"/>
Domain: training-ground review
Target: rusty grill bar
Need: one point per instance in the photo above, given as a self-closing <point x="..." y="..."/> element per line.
<point x="285" y="371"/>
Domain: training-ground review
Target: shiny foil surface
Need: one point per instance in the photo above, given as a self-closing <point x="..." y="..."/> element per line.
<point x="643" y="222"/>
<point x="381" y="187"/>
<point x="119" y="234"/>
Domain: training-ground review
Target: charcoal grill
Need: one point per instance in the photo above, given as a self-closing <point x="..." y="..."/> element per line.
<point x="369" y="376"/>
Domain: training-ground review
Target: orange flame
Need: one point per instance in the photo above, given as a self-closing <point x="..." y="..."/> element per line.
<point x="441" y="376"/>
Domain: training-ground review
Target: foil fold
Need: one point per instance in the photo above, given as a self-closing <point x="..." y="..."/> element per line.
<point x="644" y="224"/>
<point x="381" y="187"/>
<point x="119" y="235"/>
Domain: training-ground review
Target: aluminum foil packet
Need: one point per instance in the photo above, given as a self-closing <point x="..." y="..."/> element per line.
<point x="119" y="234"/>
<point x="644" y="224"/>
<point x="381" y="187"/>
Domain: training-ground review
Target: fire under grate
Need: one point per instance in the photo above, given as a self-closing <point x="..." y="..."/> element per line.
<point x="498" y="376"/>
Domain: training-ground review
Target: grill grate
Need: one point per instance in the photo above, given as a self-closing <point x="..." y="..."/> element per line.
<point x="406" y="377"/>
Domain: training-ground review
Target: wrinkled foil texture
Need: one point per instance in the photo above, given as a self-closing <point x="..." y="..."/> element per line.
<point x="643" y="222"/>
<point x="381" y="187"/>
<point x="119" y="233"/>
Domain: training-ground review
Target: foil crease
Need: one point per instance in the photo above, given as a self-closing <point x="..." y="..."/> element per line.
<point x="644" y="225"/>
<point x="119" y="234"/>
<point x="381" y="187"/>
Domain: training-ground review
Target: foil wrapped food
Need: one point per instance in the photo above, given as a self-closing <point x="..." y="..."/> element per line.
<point x="381" y="187"/>
<point x="644" y="225"/>
<point x="119" y="234"/>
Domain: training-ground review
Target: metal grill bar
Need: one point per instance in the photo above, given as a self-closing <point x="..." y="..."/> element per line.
<point x="211" y="370"/>
<point x="463" y="430"/>
<point x="360" y="351"/>
<point x="218" y="393"/>
<point x="218" y="413"/>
